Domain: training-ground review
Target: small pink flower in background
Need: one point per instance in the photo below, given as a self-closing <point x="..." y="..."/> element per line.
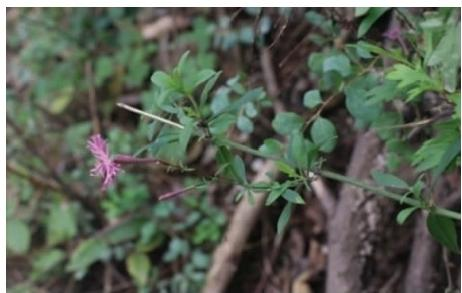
<point x="105" y="167"/>
<point x="393" y="33"/>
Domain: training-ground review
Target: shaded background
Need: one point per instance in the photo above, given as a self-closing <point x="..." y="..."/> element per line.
<point x="66" y="70"/>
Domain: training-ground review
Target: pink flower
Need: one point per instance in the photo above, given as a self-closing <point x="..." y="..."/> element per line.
<point x="393" y="33"/>
<point x="105" y="167"/>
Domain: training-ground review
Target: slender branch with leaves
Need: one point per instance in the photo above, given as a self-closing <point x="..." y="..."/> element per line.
<point x="308" y="142"/>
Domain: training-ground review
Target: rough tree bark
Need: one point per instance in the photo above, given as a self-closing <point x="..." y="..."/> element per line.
<point x="360" y="240"/>
<point x="421" y="274"/>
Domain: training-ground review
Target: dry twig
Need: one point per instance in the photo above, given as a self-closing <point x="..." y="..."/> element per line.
<point x="226" y="255"/>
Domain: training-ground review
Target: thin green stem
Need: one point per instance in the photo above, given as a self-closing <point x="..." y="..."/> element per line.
<point x="388" y="194"/>
<point x="338" y="177"/>
<point x="378" y="190"/>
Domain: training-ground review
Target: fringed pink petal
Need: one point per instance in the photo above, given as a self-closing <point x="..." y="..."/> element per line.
<point x="104" y="167"/>
<point x="98" y="147"/>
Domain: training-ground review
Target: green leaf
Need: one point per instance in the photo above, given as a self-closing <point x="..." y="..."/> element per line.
<point x="103" y="69"/>
<point x="382" y="93"/>
<point x="180" y="68"/>
<point x="17" y="236"/>
<point x="339" y="63"/>
<point x="417" y="188"/>
<point x="373" y="14"/>
<point x="315" y="62"/>
<point x="429" y="155"/>
<point x="407" y="75"/>
<point x="446" y="48"/>
<point x="224" y="159"/>
<point x="208" y="229"/>
<point x="389" y="180"/>
<point x="293" y="197"/>
<point x="63" y="99"/>
<point x="47" y="260"/>
<point x="61" y="224"/>
<point x="275" y="194"/>
<point x="139" y="266"/>
<point x="148" y="231"/>
<point x="221" y="124"/>
<point x="244" y="124"/>
<point x="165" y="146"/>
<point x="239" y="169"/>
<point x="284" y="217"/>
<point x="11" y="205"/>
<point x="163" y="80"/>
<point x="235" y="85"/>
<point x="239" y="196"/>
<point x="285" y="168"/>
<point x="271" y="147"/>
<point x="363" y="53"/>
<point x="404" y="214"/>
<point x="443" y="230"/>
<point x="203" y="76"/>
<point x="299" y="150"/>
<point x="87" y="253"/>
<point x="176" y="248"/>
<point x="393" y="161"/>
<point x="356" y="103"/>
<point x="250" y="110"/>
<point x="247" y="35"/>
<point x="126" y="231"/>
<point x="320" y="21"/>
<point x="311" y="99"/>
<point x="208" y="87"/>
<point x="315" y="18"/>
<point x="393" y="54"/>
<point x="250" y="96"/>
<point x="232" y="167"/>
<point x="286" y="122"/>
<point x="200" y="259"/>
<point x="449" y="155"/>
<point x="447" y="55"/>
<point x="220" y="101"/>
<point x="415" y="79"/>
<point x="360" y="11"/>
<point x="357" y="51"/>
<point x="324" y="135"/>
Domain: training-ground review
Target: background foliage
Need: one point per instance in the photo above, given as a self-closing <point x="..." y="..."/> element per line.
<point x="67" y="68"/>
